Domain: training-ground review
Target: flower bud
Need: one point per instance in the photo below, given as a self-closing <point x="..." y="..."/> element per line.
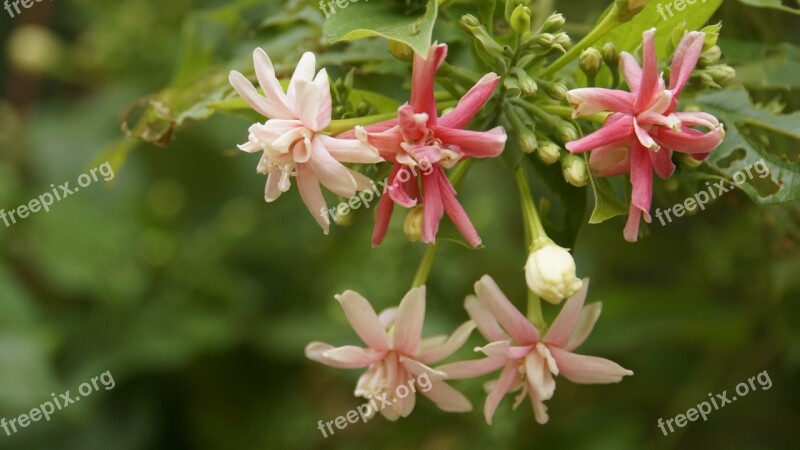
<point x="566" y="132"/>
<point x="701" y="79"/>
<point x="722" y="74"/>
<point x="521" y="19"/>
<point x="677" y="34"/>
<point x="554" y="23"/>
<point x="484" y="40"/>
<point x="401" y="51"/>
<point x="512" y="86"/>
<point x="556" y="91"/>
<point x="712" y="34"/>
<point x="563" y="40"/>
<point x="626" y="9"/>
<point x="527" y="140"/>
<point x="511" y="6"/>
<point x="548" y="152"/>
<point x="611" y="55"/>
<point x="709" y="57"/>
<point x="591" y="61"/>
<point x="575" y="171"/>
<point x="550" y="273"/>
<point x="35" y="49"/>
<point x="526" y="84"/>
<point x="412" y="226"/>
<point x="687" y="161"/>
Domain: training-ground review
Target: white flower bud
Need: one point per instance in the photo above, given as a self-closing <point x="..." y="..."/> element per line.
<point x="550" y="273"/>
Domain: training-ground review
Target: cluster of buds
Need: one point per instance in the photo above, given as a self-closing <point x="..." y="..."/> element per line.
<point x="342" y="108"/>
<point x="710" y="71"/>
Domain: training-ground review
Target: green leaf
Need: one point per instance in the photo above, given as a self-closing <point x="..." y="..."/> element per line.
<point x="628" y="36"/>
<point x="773" y="4"/>
<point x="753" y="134"/>
<point x="759" y="66"/>
<point x="606" y="203"/>
<point x="387" y="18"/>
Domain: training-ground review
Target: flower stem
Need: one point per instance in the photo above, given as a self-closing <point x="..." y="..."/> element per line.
<point x="340" y="126"/>
<point x="425" y="265"/>
<point x="607" y="23"/>
<point x="535" y="312"/>
<point x="534" y="233"/>
<point x="566" y="112"/>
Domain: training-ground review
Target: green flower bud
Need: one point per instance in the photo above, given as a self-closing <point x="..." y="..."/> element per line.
<point x="677" y="34"/>
<point x="526" y="84"/>
<point x="574" y="170"/>
<point x="553" y="24"/>
<point x="556" y="91"/>
<point x="701" y="79"/>
<point x="527" y="140"/>
<point x="709" y="57"/>
<point x="566" y="132"/>
<point x="512" y="85"/>
<point x="35" y="49"/>
<point x="511" y="6"/>
<point x="591" y="61"/>
<point x="722" y="74"/>
<point x="687" y="161"/>
<point x="521" y="19"/>
<point x="545" y="40"/>
<point x="563" y="40"/>
<point x="611" y="54"/>
<point x="485" y="41"/>
<point x="401" y="51"/>
<point x="412" y="226"/>
<point x="626" y="9"/>
<point x="712" y="34"/>
<point x="548" y="152"/>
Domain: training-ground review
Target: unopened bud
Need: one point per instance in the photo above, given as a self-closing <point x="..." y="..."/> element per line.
<point x="512" y="86"/>
<point x="485" y="41"/>
<point x="527" y="140"/>
<point x="563" y="40"/>
<point x="611" y="55"/>
<point x="688" y="161"/>
<point x="722" y="74"/>
<point x="556" y="91"/>
<point x="521" y="19"/>
<point x="511" y="6"/>
<point x="412" y="226"/>
<point x="712" y="34"/>
<point x="626" y="9"/>
<point x="526" y="84"/>
<point x="35" y="49"/>
<point x="401" y="51"/>
<point x="554" y="23"/>
<point x="548" y="152"/>
<point x="709" y="57"/>
<point x="566" y="132"/>
<point x="703" y="80"/>
<point x="574" y="169"/>
<point x="591" y="61"/>
<point x="550" y="273"/>
<point x="677" y="34"/>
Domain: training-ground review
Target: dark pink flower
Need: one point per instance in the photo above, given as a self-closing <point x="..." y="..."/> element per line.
<point x="643" y="131"/>
<point x="419" y="138"/>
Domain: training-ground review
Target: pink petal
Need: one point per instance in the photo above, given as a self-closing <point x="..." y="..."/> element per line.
<point x="433" y="208"/>
<point x="504" y="349"/>
<point x="447" y="398"/>
<point x="398" y="192"/>
<point x="509" y="375"/>
<point x="316" y="350"/>
<point x="307" y="103"/>
<point x="587" y="101"/>
<point x="470" y="103"/>
<point x="631" y="231"/>
<point x="322" y="84"/>
<point x="382" y="218"/>
<point x="350" y="150"/>
<point x="662" y="163"/>
<point x="564" y="324"/>
<point x="270" y="84"/>
<point x="456" y="213"/>
<point x="387" y="142"/>
<point x="644" y="137"/>
<point x="248" y="92"/>
<point x="387" y="317"/>
<point x="649" y="84"/>
<point x="588" y="317"/>
<point x="478" y="144"/>
<point x="617" y="133"/>
<point x="330" y="172"/>
<point x="303" y="72"/>
<point x="310" y="192"/>
<point x="273" y="188"/>
<point x="403" y="405"/>
<point x="418" y="369"/>
<point x="539" y="377"/>
<point x="408" y="325"/>
<point x="453" y="343"/>
<point x="412" y="126"/>
<point x="352" y="357"/>
<point x="610" y="160"/>
<point x="631" y="70"/>
<point x="684" y="60"/>
<point x="690" y="140"/>
<point x="379" y="127"/>
<point x="583" y="369"/>
<point x="364" y="320"/>
<point x="422" y="79"/>
<point x="694" y="119"/>
<point x="509" y="317"/>
<point x="486" y="322"/>
<point x="641" y="179"/>
<point x="472" y="369"/>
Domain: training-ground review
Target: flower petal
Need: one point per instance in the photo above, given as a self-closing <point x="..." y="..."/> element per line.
<point x="382" y="218"/>
<point x="617" y="133"/>
<point x="316" y="350"/>
<point x="303" y="72"/>
<point x="642" y="194"/>
<point x="353" y="357"/>
<point x="649" y="84"/>
<point x="584" y="369"/>
<point x="588" y="317"/>
<point x="564" y="324"/>
<point x="447" y="348"/>
<point x="610" y="160"/>
<point x="539" y="377"/>
<point x="478" y="144"/>
<point x="504" y="349"/>
<point x="509" y="317"/>
<point x="273" y="188"/>
<point x="408" y="325"/>
<point x="330" y="172"/>
<point x="418" y="369"/>
<point x="422" y="79"/>
<point x="433" y="208"/>
<point x="310" y="192"/>
<point x="690" y="140"/>
<point x="472" y="369"/>
<point x="350" y="150"/>
<point x="447" y="398"/>
<point x="269" y="83"/>
<point x="364" y="320"/>
<point x="248" y="92"/>
<point x="307" y="103"/>
<point x="587" y="101"/>
<point x="486" y="322"/>
<point x="662" y="163"/>
<point x="644" y="137"/>
<point x="631" y="70"/>
<point x="509" y="375"/>
<point x="322" y="83"/>
<point x="684" y="60"/>
<point x="456" y="212"/>
<point x="470" y="103"/>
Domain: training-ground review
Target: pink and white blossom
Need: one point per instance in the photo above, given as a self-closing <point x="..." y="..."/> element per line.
<point x="395" y="353"/>
<point x="292" y="139"/>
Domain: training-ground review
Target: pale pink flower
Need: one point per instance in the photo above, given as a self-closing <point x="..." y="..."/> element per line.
<point x="643" y="131"/>
<point x="529" y="361"/>
<point x="395" y="353"/>
<point x="292" y="139"/>
<point x="418" y="137"/>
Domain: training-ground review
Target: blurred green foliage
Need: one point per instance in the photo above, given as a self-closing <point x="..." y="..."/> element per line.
<point x="199" y="298"/>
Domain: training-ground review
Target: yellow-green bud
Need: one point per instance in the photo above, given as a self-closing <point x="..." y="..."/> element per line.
<point x="527" y="140"/>
<point x="35" y="49"/>
<point x="511" y="6"/>
<point x="712" y="34"/>
<point x="687" y="161"/>
<point x="566" y="132"/>
<point x="610" y="54"/>
<point x="485" y="41"/>
<point x="563" y="40"/>
<point x="554" y="23"/>
<point x="722" y="74"/>
<point x="401" y="51"/>
<point x="574" y="170"/>
<point x="548" y="152"/>
<point x="556" y="91"/>
<point x="412" y="226"/>
<point x="521" y="19"/>
<point x="626" y="9"/>
<point x="591" y="61"/>
<point x="710" y="56"/>
<point x="677" y="34"/>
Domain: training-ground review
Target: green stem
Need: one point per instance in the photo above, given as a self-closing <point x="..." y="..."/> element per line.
<point x="607" y="23"/>
<point x="535" y="315"/>
<point x="566" y="112"/>
<point x="340" y="126"/>
<point x="425" y="265"/>
<point x="534" y="233"/>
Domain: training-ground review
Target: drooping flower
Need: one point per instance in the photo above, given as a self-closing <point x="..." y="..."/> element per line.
<point x="530" y="361"/>
<point x="643" y="131"/>
<point x="418" y="137"/>
<point x="395" y="353"/>
<point x="292" y="138"/>
<point x="550" y="273"/>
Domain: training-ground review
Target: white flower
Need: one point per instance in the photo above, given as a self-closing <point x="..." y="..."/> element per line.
<point x="550" y="273"/>
<point x="292" y="138"/>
